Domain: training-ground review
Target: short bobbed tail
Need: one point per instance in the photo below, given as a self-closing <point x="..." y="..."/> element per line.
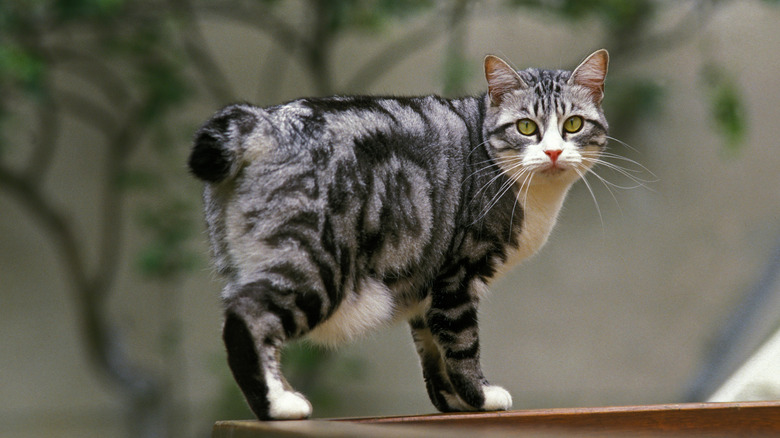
<point x="217" y="150"/>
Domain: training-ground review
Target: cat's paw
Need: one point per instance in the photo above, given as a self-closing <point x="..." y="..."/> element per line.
<point x="454" y="403"/>
<point x="496" y="398"/>
<point x="289" y="406"/>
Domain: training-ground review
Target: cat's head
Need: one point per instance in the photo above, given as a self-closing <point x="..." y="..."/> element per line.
<point x="545" y="126"/>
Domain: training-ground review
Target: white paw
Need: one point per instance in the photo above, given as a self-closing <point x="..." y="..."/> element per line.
<point x="289" y="406"/>
<point x="496" y="398"/>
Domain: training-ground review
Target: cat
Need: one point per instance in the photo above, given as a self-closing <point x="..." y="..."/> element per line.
<point x="331" y="216"/>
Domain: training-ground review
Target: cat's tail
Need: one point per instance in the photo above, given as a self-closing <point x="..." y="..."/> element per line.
<point x="222" y="143"/>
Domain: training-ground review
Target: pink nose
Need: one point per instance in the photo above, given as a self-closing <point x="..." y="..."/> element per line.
<point x="553" y="154"/>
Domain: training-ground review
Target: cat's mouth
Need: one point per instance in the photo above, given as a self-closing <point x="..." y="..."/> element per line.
<point x="554" y="169"/>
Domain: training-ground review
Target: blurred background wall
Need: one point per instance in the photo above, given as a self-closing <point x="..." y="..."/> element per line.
<point x="109" y="311"/>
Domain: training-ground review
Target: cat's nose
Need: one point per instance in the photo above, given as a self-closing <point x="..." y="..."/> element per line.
<point x="553" y="154"/>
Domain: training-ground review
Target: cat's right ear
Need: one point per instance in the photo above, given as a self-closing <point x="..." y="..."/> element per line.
<point x="501" y="78"/>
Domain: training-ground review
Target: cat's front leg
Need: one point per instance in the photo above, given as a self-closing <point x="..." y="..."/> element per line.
<point x="447" y="341"/>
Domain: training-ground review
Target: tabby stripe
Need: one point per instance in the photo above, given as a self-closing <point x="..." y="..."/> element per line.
<point x="500" y="129"/>
<point x="285" y="315"/>
<point x="326" y="272"/>
<point x="439" y="322"/>
<point x="487" y="269"/>
<point x="598" y="125"/>
<point x="290" y="272"/>
<point x="305" y="183"/>
<point x="341" y="191"/>
<point x="310" y="304"/>
<point x="417" y="324"/>
<point x="465" y="353"/>
<point x="265" y="293"/>
<point x="450" y="300"/>
<point x="272" y="297"/>
<point x="306" y="219"/>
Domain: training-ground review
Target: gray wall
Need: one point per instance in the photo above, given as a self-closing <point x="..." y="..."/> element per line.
<point x="614" y="310"/>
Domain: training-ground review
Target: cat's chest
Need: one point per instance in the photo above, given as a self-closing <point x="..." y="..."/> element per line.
<point x="541" y="205"/>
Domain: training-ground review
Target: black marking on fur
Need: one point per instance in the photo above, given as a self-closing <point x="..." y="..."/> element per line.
<point x="466" y="353"/>
<point x="208" y="160"/>
<point x="245" y="364"/>
<point x="310" y="304"/>
<point x="344" y="191"/>
<point x="450" y="300"/>
<point x="211" y="159"/>
<point x="440" y="322"/>
<point x="305" y="183"/>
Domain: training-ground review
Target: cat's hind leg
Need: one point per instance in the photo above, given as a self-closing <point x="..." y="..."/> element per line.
<point x="447" y="340"/>
<point x="254" y="332"/>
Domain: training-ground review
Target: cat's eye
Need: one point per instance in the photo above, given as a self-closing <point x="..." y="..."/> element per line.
<point x="572" y="124"/>
<point x="526" y="127"/>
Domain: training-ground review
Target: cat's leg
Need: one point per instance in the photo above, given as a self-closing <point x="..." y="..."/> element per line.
<point x="447" y="341"/>
<point x="256" y="327"/>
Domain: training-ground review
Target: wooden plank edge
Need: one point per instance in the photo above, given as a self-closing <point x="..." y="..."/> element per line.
<point x="742" y="417"/>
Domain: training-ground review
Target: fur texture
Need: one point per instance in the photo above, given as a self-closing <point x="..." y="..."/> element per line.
<point x="332" y="216"/>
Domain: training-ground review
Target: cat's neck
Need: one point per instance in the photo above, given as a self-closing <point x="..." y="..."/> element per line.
<point x="541" y="204"/>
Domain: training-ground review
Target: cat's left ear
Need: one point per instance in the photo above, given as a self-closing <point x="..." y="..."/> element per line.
<point x="591" y="74"/>
<point x="501" y="79"/>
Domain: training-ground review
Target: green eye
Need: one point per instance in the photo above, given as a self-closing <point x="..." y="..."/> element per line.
<point x="572" y="124"/>
<point x="526" y="127"/>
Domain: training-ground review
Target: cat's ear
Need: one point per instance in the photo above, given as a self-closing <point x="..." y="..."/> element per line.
<point x="591" y="74"/>
<point x="501" y="79"/>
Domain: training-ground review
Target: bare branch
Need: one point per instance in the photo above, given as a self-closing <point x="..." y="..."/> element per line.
<point x="318" y="52"/>
<point x="95" y="69"/>
<point x="454" y="76"/>
<point x="688" y="26"/>
<point x="88" y="111"/>
<point x="195" y="44"/>
<point x="44" y="143"/>
<point x="28" y="194"/>
<point x="393" y="53"/>
<point x="262" y="19"/>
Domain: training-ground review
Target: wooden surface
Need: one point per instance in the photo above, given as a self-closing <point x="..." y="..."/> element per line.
<point x="698" y="419"/>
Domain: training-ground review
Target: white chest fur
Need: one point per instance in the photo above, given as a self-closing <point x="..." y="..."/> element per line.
<point x="541" y="204"/>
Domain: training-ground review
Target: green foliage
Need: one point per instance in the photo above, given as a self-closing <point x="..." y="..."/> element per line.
<point x="458" y="70"/>
<point x="371" y="15"/>
<point x="632" y="101"/>
<point x="620" y="17"/>
<point x="79" y="9"/>
<point x="726" y="107"/>
<point x="20" y="68"/>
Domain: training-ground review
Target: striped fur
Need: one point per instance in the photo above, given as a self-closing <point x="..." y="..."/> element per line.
<point x="329" y="217"/>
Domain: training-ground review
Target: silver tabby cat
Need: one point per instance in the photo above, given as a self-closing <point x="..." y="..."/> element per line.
<point x="331" y="216"/>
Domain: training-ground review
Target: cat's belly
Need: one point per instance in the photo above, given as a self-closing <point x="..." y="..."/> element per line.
<point x="371" y="306"/>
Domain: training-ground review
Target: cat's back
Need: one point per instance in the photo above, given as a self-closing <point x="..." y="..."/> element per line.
<point x="357" y="183"/>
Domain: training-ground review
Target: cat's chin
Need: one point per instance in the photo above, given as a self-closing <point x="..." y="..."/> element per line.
<point x="555" y="175"/>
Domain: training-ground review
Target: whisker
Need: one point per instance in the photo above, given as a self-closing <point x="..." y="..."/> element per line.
<point x="477" y="147"/>
<point x="592" y="195"/>
<point x="622" y="158"/>
<point x="623" y="143"/>
<point x="505" y="187"/>
<point x="622" y="171"/>
<point x="492" y="163"/>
